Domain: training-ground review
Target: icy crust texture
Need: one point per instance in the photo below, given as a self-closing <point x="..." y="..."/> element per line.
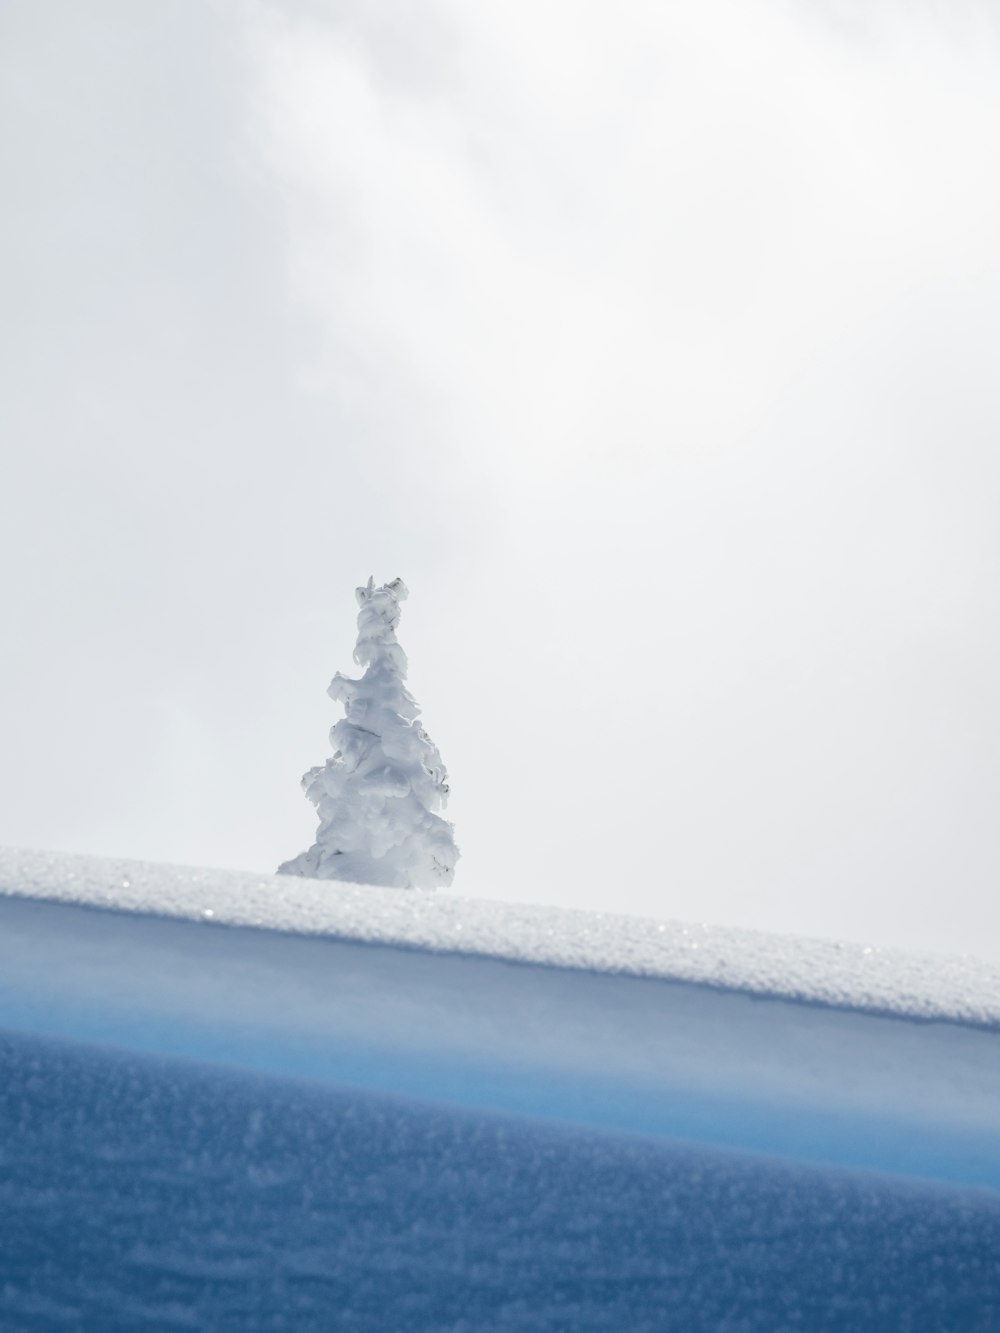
<point x="378" y="795"/>
<point x="960" y="989"/>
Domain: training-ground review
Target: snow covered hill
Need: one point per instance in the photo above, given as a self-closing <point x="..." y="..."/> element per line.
<point x="244" y="1102"/>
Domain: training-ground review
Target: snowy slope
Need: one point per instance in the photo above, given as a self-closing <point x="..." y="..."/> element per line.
<point x="149" y="1194"/>
<point x="584" y="1018"/>
<point x="962" y="988"/>
<point x="251" y="1102"/>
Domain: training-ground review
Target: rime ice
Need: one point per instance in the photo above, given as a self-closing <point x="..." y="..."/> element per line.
<point x="378" y="795"/>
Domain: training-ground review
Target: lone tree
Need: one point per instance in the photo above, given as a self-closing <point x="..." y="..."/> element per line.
<point x="377" y="796"/>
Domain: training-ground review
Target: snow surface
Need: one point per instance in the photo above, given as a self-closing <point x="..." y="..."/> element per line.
<point x="960" y="988"/>
<point x="252" y="1103"/>
<point x="138" y="1193"/>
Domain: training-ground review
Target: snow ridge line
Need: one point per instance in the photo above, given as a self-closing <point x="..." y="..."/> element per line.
<point x="931" y="988"/>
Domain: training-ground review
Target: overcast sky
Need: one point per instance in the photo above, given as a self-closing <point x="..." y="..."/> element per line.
<point x="653" y="344"/>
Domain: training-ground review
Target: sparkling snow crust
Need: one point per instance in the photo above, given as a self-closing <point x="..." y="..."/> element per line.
<point x="222" y="1108"/>
<point x="959" y="989"/>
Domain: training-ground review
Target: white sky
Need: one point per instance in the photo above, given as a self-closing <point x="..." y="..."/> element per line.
<point x="653" y="344"/>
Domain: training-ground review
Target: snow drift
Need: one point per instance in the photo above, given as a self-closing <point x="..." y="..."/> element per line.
<point x="266" y="1099"/>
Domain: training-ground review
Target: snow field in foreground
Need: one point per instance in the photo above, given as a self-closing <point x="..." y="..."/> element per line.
<point x="960" y="987"/>
<point x="148" y="1193"/>
<point x="603" y="1048"/>
<point x="248" y="1103"/>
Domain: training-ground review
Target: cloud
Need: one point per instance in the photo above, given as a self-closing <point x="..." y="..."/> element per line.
<point x="613" y="229"/>
<point x="651" y="346"/>
<point x="702" y="293"/>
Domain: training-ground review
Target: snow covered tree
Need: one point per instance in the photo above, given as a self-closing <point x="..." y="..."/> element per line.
<point x="378" y="794"/>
